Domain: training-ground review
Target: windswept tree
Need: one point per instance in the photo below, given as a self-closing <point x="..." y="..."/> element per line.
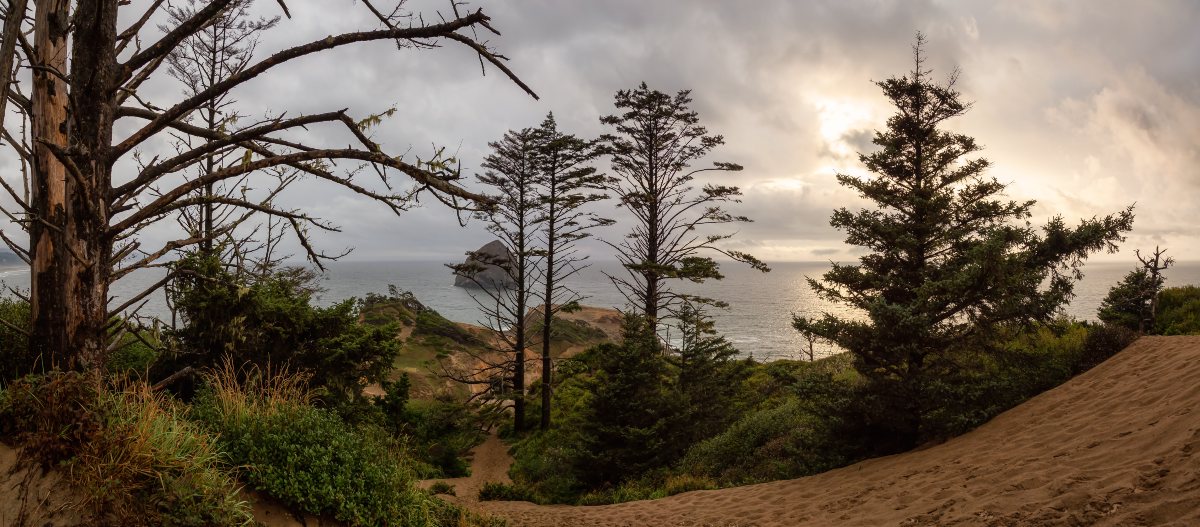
<point x="84" y="217"/>
<point x="512" y="171"/>
<point x="656" y="141"/>
<point x="565" y="185"/>
<point x="1133" y="303"/>
<point x="949" y="258"/>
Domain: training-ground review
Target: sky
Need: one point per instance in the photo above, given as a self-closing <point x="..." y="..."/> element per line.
<point x="1086" y="107"/>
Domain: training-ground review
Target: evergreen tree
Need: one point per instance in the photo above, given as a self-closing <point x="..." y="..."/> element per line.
<point x="657" y="140"/>
<point x="708" y="379"/>
<point x="950" y="259"/>
<point x="512" y="171"/>
<point x="1133" y="302"/>
<point x="623" y="427"/>
<point x="565" y="184"/>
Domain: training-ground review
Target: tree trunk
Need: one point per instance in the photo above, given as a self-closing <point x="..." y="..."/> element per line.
<point x="547" y="318"/>
<point x="48" y="302"/>
<point x="68" y="237"/>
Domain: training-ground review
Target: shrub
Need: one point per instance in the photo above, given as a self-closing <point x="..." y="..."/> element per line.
<point x="53" y="415"/>
<point x="493" y="491"/>
<point x="1178" y="311"/>
<point x="1103" y="342"/>
<point x="430" y="323"/>
<point x="442" y="431"/>
<point x="131" y="455"/>
<point x="152" y="467"/>
<point x="270" y="319"/>
<point x="309" y="458"/>
<point x="785" y="441"/>
<point x="540" y="463"/>
<point x="441" y="487"/>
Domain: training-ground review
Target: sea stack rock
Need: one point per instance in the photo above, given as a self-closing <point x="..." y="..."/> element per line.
<point x="488" y="260"/>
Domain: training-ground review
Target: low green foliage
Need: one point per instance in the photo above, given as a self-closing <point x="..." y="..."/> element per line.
<point x="269" y="319"/>
<point x="493" y="491"/>
<point x="566" y="331"/>
<point x="441" y="487"/>
<point x="1178" y="311"/>
<point x="430" y="323"/>
<point x="539" y="460"/>
<point x="310" y="458"/>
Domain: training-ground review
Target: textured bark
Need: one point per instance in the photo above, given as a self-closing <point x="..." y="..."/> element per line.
<point x="73" y="131"/>
<point x="51" y="321"/>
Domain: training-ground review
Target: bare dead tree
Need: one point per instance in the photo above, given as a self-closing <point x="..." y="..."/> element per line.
<point x="512" y="171"/>
<point x="565" y="185"/>
<point x="84" y="220"/>
<point x="1153" y="265"/>
<point x="224" y="48"/>
<point x="658" y="138"/>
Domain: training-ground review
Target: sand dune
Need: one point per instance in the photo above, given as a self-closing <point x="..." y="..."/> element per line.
<point x="1118" y="445"/>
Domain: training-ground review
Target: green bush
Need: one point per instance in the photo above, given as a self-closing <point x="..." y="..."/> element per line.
<point x="309" y="458"/>
<point x="541" y="462"/>
<point x="269" y="319"/>
<point x="785" y="441"/>
<point x="1103" y="342"/>
<point x="1178" y="311"/>
<point x="430" y="323"/>
<point x="493" y="491"/>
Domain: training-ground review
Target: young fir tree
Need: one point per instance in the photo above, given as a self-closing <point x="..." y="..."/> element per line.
<point x="627" y="414"/>
<point x="512" y="171"/>
<point x="657" y="139"/>
<point x="708" y="379"/>
<point x="949" y="257"/>
<point x="565" y="185"/>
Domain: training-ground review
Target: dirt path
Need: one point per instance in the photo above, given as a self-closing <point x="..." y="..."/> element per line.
<point x="489" y="464"/>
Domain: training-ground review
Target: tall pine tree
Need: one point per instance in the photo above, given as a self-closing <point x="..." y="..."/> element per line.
<point x="565" y="184"/>
<point x="949" y="257"/>
<point x="512" y="171"/>
<point x="658" y="139"/>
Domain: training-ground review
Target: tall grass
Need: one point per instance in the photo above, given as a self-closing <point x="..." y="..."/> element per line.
<point x="128" y="452"/>
<point x="152" y="460"/>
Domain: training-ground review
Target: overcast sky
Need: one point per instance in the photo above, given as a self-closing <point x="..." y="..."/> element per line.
<point x="1085" y="106"/>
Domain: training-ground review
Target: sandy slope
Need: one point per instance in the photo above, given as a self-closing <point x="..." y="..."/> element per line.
<point x="1118" y="445"/>
<point x="32" y="498"/>
<point x="489" y="464"/>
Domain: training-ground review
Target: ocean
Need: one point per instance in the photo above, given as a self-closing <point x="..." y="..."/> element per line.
<point x="758" y="320"/>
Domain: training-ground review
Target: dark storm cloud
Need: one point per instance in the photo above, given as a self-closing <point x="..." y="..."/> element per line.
<point x="1086" y="106"/>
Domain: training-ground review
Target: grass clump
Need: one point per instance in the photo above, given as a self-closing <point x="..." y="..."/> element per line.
<point x="129" y="452"/>
<point x="493" y="491"/>
<point x="441" y="487"/>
